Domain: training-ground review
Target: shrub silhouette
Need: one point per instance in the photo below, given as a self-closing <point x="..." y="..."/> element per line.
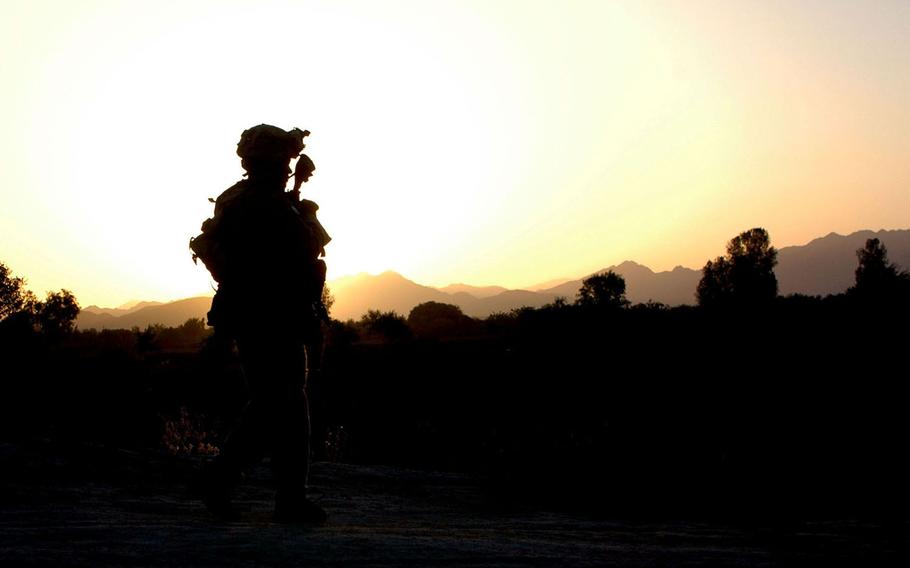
<point x="436" y="319"/>
<point x="185" y="435"/>
<point x="191" y="334"/>
<point x="385" y="325"/>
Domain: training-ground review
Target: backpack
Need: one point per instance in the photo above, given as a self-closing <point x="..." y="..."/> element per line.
<point x="205" y="245"/>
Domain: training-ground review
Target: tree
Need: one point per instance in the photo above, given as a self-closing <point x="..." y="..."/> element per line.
<point x="57" y="313"/>
<point x="191" y="333"/>
<point x="745" y="276"/>
<point x="606" y="290"/>
<point x="14" y="297"/>
<point x="714" y="287"/>
<point x="875" y="274"/>
<point x="389" y="325"/>
<point x="436" y="319"/>
<point x="328" y="300"/>
<point x="874" y="269"/>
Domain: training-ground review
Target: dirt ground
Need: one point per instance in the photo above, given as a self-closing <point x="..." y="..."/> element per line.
<point x="92" y="506"/>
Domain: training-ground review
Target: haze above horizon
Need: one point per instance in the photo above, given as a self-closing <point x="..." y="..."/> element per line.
<point x="504" y="143"/>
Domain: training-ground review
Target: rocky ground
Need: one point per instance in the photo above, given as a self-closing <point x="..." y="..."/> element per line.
<point x="92" y="506"/>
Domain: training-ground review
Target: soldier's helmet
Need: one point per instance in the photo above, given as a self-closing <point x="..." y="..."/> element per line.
<point x="270" y="144"/>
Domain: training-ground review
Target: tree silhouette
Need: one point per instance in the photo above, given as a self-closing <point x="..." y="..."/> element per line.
<point x="603" y="290"/>
<point x="745" y="276"/>
<point x="875" y="274"/>
<point x="191" y="333"/>
<point x="436" y="319"/>
<point x="874" y="268"/>
<point x="57" y="313"/>
<point x="714" y="288"/>
<point x="327" y="298"/>
<point x="14" y="297"/>
<point x="389" y="325"/>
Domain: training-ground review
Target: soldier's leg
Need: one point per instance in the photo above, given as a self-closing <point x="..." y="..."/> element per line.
<point x="290" y="438"/>
<point x="291" y="427"/>
<point x="276" y="418"/>
<point x="246" y="443"/>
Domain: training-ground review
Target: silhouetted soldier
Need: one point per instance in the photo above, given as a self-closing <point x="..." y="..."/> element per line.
<point x="263" y="248"/>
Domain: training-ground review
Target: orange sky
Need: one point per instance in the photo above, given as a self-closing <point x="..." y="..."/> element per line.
<point x="466" y="141"/>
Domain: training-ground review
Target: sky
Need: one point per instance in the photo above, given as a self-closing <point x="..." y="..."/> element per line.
<point x="484" y="142"/>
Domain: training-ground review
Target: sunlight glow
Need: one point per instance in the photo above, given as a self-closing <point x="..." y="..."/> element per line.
<point x="483" y="142"/>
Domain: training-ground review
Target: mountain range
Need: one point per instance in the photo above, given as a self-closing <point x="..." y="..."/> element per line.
<point x="823" y="266"/>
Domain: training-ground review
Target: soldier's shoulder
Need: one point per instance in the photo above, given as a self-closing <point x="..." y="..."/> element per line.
<point x="230" y="196"/>
<point x="234" y="191"/>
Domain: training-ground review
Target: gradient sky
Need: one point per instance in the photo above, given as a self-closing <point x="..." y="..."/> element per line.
<point x="487" y="142"/>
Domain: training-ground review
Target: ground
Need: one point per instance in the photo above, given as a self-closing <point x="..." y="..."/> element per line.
<point x="95" y="506"/>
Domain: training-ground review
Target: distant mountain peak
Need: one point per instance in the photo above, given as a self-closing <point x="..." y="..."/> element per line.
<point x="628" y="265"/>
<point x="391" y="274"/>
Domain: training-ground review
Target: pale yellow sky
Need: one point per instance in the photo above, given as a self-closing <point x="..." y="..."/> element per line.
<point x="487" y="142"/>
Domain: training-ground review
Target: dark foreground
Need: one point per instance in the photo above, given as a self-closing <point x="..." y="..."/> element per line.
<point x="91" y="506"/>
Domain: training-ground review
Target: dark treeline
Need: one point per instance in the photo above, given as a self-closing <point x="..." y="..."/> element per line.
<point x="747" y="403"/>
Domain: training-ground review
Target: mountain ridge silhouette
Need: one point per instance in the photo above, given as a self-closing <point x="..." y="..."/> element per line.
<point x="824" y="265"/>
